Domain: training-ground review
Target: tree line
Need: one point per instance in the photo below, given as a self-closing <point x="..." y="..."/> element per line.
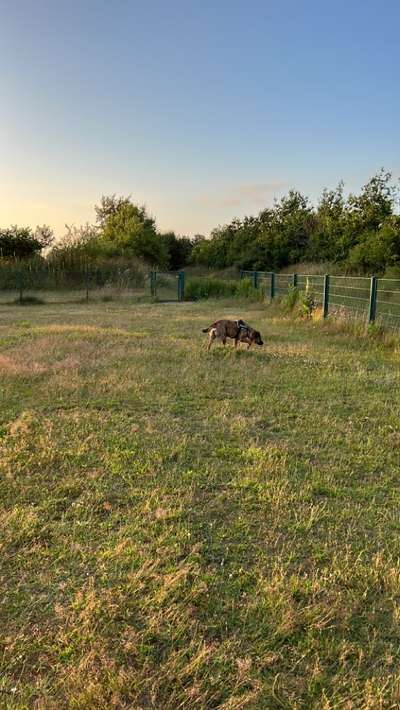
<point x="360" y="233"/>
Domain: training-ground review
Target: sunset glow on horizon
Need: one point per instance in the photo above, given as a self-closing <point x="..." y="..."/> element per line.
<point x="202" y="112"/>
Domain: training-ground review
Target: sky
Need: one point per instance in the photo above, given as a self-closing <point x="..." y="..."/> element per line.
<point x="201" y="110"/>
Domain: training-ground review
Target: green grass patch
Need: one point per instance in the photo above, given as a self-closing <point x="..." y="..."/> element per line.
<point x="193" y="530"/>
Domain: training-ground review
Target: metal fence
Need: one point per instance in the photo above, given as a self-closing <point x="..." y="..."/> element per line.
<point x="167" y="285"/>
<point x="372" y="298"/>
<point x="37" y="281"/>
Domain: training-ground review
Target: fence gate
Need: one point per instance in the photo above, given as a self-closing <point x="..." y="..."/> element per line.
<point x="167" y="285"/>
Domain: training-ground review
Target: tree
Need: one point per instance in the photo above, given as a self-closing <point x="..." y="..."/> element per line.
<point x="361" y="233"/>
<point x="329" y="226"/>
<point x="21" y="242"/>
<point x="365" y="214"/>
<point x="200" y="250"/>
<point x="179" y="250"/>
<point x="378" y="249"/>
<point x="245" y="250"/>
<point x="44" y="235"/>
<point x="294" y="220"/>
<point x="109" y="205"/>
<point x="127" y="230"/>
<point x="375" y="203"/>
<point x="76" y="245"/>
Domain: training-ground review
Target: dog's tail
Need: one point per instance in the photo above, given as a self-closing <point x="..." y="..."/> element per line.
<point x="207" y="330"/>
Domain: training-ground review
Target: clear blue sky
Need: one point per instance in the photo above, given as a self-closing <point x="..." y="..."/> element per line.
<point x="202" y="110"/>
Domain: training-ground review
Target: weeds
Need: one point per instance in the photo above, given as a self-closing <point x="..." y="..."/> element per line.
<point x="307" y="302"/>
<point x="292" y="298"/>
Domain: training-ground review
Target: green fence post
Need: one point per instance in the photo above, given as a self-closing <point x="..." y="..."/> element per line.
<point x="372" y="299"/>
<point x="294" y="282"/>
<point x="272" y="290"/>
<point x="87" y="281"/>
<point x="241" y="274"/>
<point x="20" y="284"/>
<point x="325" y="302"/>
<point x="255" y="279"/>
<point x="153" y="278"/>
<point x="181" y="286"/>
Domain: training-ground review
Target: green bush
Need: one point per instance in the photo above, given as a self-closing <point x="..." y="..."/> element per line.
<point x="245" y="289"/>
<point x="291" y="298"/>
<point x="197" y="288"/>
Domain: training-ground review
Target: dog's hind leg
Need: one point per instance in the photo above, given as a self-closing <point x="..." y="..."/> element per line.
<point x="211" y="337"/>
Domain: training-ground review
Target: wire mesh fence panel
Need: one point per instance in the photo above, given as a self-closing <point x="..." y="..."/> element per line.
<point x="41" y="281"/>
<point x="260" y="280"/>
<point x="314" y="283"/>
<point x="263" y="283"/>
<point x="123" y="283"/>
<point x="388" y="302"/>
<point x="370" y="298"/>
<point x="350" y="292"/>
<point x="166" y="285"/>
<point x="282" y="284"/>
<point x="252" y="276"/>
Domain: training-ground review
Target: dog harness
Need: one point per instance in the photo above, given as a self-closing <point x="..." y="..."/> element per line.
<point x="242" y="326"/>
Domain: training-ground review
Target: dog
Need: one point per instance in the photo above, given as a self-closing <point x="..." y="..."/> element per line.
<point x="238" y="330"/>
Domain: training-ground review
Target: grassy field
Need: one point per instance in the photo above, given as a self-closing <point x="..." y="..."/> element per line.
<point x="183" y="530"/>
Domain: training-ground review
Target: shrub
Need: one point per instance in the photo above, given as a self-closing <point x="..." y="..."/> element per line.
<point x="245" y="289"/>
<point x="291" y="297"/>
<point x="197" y="288"/>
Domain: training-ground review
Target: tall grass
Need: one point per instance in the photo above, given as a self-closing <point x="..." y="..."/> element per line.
<point x="41" y="274"/>
<point x="197" y="288"/>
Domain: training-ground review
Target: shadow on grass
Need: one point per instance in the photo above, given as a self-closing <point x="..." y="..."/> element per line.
<point x="28" y="301"/>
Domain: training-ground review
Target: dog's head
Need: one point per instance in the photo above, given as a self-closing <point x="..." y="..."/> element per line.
<point x="257" y="338"/>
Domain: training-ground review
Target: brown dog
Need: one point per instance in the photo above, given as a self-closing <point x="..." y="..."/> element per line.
<point x="238" y="330"/>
